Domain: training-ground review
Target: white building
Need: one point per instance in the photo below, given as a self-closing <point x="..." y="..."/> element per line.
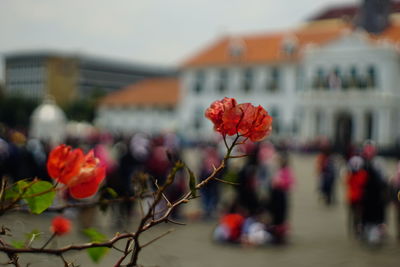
<point x="325" y="78"/>
<point x="147" y="106"/>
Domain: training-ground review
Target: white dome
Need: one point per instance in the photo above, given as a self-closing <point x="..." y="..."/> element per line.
<point x="48" y="122"/>
<point x="48" y="111"/>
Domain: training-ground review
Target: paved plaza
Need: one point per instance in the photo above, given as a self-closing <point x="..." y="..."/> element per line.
<point x="318" y="237"/>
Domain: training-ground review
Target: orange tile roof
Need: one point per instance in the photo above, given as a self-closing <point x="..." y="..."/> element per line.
<point x="263" y="48"/>
<point x="152" y="92"/>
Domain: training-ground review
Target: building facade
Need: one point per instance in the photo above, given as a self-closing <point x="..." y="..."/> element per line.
<point x="325" y="79"/>
<point x="69" y="77"/>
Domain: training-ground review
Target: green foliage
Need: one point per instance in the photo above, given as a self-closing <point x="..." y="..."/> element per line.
<point x="18" y="244"/>
<point x="84" y="109"/>
<point x="15" y="111"/>
<point x="98" y="252"/>
<point x="111" y="192"/>
<point x="80" y="110"/>
<point x="38" y="201"/>
<point x="39" y="195"/>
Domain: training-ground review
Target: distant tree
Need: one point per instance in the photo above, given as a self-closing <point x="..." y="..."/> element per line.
<point x="15" y="111"/>
<point x="84" y="109"/>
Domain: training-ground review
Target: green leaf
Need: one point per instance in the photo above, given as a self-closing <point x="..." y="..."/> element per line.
<point x="38" y="202"/>
<point x="111" y="192"/>
<point x="16" y="190"/>
<point x="96" y="253"/>
<point x="18" y="244"/>
<point x="94" y="235"/>
<point x="192" y="182"/>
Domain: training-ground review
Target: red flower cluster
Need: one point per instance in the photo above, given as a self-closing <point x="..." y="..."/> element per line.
<point x="60" y="225"/>
<point x="231" y="118"/>
<point x="81" y="173"/>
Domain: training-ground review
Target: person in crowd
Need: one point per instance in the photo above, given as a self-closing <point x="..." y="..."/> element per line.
<point x="282" y="184"/>
<point x="395" y="198"/>
<point x="326" y="174"/>
<point x="374" y="197"/>
<point x="248" y="184"/>
<point x="210" y="192"/>
<point x="355" y="183"/>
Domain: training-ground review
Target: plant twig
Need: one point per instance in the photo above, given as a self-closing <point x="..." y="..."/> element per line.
<point x="225" y="182"/>
<point x="157" y="238"/>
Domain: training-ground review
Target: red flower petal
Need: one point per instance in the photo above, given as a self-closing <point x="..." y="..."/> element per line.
<point x="64" y="163"/>
<point x="88" y="183"/>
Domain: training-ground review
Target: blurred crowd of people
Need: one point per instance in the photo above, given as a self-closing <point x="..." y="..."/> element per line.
<point x="369" y="190"/>
<point x="253" y="212"/>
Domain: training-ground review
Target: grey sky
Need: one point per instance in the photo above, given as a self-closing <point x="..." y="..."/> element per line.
<point x="151" y="31"/>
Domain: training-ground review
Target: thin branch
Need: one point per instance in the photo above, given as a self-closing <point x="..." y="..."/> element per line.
<point x="59" y="251"/>
<point x="157" y="238"/>
<point x="238" y="156"/>
<point x="118" y="249"/>
<point x="49" y="240"/>
<point x="225" y="182"/>
<point x="175" y="222"/>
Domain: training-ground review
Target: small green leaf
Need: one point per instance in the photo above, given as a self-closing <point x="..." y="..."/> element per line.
<point x="16" y="190"/>
<point x="18" y="244"/>
<point x="38" y="202"/>
<point x="111" y="192"/>
<point x="94" y="235"/>
<point x="192" y="182"/>
<point x="95" y="253"/>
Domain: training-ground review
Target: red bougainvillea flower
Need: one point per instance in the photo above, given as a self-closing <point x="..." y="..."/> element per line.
<point x="231" y="118"/>
<point x="256" y="123"/>
<point x="217" y="110"/>
<point x="60" y="225"/>
<point x="82" y="174"/>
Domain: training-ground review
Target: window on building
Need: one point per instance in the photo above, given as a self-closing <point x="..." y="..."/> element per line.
<point x="319" y="79"/>
<point x="335" y="79"/>
<point x="353" y="80"/>
<point x="247" y="79"/>
<point x="369" y="125"/>
<point x="222" y="81"/>
<point x="274" y="82"/>
<point x="371" y="77"/>
<point x="199" y="81"/>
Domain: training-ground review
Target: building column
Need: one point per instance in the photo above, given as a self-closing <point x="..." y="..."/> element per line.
<point x="308" y="127"/>
<point x="329" y="124"/>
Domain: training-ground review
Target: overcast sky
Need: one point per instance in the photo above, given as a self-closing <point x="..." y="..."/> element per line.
<point x="162" y="32"/>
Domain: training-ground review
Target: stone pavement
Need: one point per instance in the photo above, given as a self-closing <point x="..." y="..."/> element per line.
<point x="318" y="237"/>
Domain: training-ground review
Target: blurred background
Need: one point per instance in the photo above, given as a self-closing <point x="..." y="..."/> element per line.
<point x="132" y="79"/>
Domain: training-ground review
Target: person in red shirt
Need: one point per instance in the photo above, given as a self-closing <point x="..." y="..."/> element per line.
<point x="355" y="182"/>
